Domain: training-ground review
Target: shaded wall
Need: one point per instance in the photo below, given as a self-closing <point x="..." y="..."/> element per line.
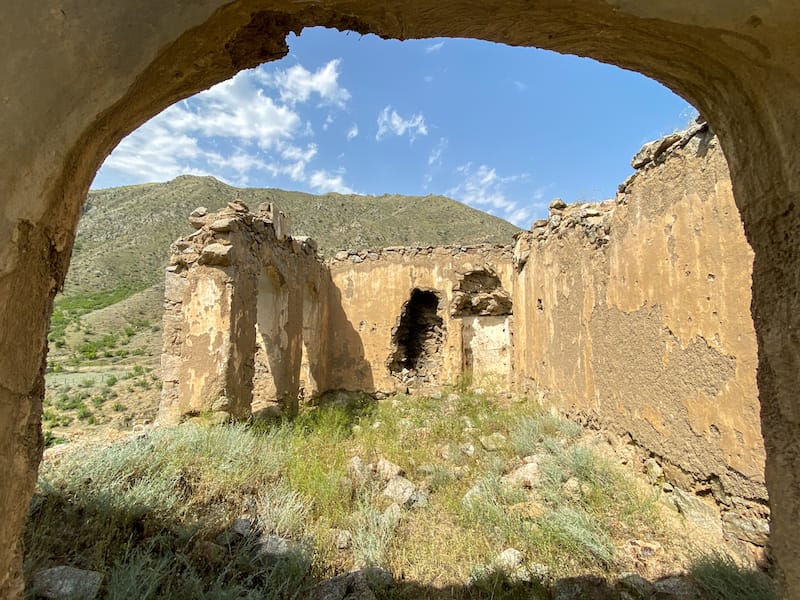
<point x="635" y="314"/>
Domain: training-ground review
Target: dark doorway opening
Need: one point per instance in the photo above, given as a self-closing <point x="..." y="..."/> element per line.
<point x="417" y="339"/>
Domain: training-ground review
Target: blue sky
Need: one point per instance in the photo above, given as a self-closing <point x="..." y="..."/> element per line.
<point x="503" y="129"/>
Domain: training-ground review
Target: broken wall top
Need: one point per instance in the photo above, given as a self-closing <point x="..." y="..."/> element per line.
<point x="593" y="219"/>
<point x="503" y="252"/>
<point x="218" y="233"/>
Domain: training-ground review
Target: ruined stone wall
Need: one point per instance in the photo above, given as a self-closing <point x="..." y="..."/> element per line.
<point x="240" y="296"/>
<point x="472" y="285"/>
<point x="739" y="63"/>
<point x="635" y="314"/>
<point x="254" y="321"/>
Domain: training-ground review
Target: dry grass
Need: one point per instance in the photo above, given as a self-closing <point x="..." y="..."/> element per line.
<point x="139" y="510"/>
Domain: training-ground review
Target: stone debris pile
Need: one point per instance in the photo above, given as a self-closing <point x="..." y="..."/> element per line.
<point x="212" y="242"/>
<point x="593" y="220"/>
<point x="393" y="252"/>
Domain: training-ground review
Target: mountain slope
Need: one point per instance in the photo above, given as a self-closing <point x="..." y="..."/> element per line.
<point x="124" y="235"/>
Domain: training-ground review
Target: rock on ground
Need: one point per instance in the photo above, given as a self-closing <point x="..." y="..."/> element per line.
<point x="400" y="490"/>
<point x="355" y="585"/>
<point x="66" y="583"/>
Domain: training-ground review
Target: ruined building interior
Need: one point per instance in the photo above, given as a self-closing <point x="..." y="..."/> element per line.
<point x="257" y="321"/>
<point x="684" y="310"/>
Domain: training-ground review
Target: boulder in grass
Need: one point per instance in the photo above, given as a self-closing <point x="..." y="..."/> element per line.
<point x="66" y="583"/>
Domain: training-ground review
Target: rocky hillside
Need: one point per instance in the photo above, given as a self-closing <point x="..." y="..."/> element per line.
<point x="124" y="233"/>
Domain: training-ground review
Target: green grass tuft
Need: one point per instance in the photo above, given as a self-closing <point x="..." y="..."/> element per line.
<point x="722" y="579"/>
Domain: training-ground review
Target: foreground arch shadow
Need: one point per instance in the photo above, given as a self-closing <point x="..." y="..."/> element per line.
<point x="739" y="65"/>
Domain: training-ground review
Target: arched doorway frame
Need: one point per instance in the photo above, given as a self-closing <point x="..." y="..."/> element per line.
<point x="740" y="66"/>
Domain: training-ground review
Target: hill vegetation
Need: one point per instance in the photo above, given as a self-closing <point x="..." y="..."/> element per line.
<point x="124" y="234"/>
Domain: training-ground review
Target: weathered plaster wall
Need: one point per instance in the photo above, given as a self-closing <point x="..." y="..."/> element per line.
<point x="488" y="350"/>
<point x="373" y="289"/>
<point x="254" y="320"/>
<point x="635" y="314"/>
<point x="236" y="294"/>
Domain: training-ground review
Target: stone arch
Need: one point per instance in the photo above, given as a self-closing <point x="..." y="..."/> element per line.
<point x="739" y="65"/>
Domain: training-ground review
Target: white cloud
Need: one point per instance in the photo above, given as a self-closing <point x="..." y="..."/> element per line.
<point x="296" y="84"/>
<point x="260" y="136"/>
<point x="235" y="112"/>
<point x="352" y="132"/>
<point x="236" y="108"/>
<point x="484" y="188"/>
<point x="156" y="153"/>
<point x="435" y="157"/>
<point x="428" y="78"/>
<point x="322" y="182"/>
<point x="520" y="85"/>
<point x="239" y="161"/>
<point x="392" y="122"/>
<point x="296" y="161"/>
<point x="434" y="47"/>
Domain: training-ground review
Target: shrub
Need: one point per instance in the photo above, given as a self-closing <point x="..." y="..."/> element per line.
<point x="576" y="532"/>
<point x="51" y="439"/>
<point x="282" y="511"/>
<point x="372" y="534"/>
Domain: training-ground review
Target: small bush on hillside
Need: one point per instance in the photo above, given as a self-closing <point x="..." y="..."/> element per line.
<point x="531" y="432"/>
<point x="51" y="439"/>
<point x="281" y="511"/>
<point x="372" y="534"/>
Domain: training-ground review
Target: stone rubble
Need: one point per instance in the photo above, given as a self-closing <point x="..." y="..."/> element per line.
<point x="393" y="252"/>
<point x="66" y="583"/>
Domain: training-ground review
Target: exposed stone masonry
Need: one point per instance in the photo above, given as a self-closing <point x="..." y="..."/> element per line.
<point x="251" y="312"/>
<point x="632" y="322"/>
<point x="418" y="339"/>
<point x="480" y="293"/>
<point x="394" y="252"/>
<point x="210" y="360"/>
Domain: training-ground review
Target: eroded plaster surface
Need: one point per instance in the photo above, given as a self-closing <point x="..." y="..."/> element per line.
<point x="613" y="312"/>
<point x="635" y="314"/>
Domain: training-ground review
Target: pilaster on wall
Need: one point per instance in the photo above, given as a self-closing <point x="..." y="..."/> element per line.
<point x="201" y="361"/>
